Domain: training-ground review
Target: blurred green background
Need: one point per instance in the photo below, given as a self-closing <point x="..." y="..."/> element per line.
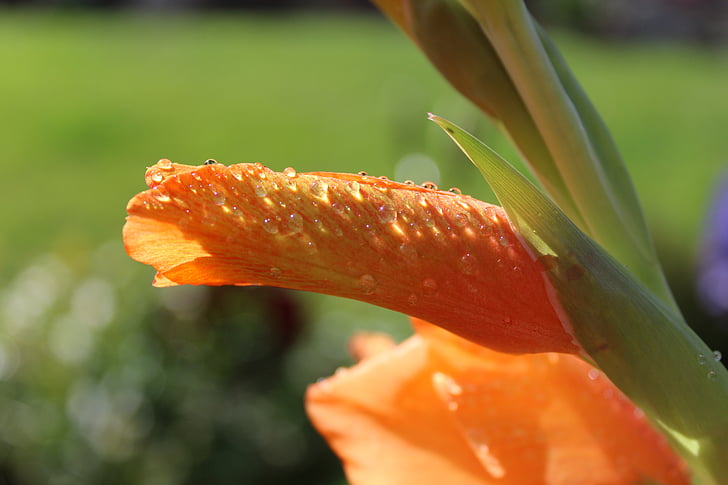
<point x="104" y="379"/>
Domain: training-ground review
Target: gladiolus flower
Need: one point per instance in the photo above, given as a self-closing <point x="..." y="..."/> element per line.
<point x="436" y="255"/>
<point x="438" y="409"/>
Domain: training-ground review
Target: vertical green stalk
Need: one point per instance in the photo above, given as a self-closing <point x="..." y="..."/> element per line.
<point x="575" y="137"/>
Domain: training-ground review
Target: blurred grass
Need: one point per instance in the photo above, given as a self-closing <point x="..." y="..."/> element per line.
<point x="89" y="100"/>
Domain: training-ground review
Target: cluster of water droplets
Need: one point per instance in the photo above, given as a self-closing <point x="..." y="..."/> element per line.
<point x="302" y="209"/>
<point x="716" y="356"/>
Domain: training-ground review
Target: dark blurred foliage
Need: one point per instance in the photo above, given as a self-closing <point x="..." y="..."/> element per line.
<point x="704" y="21"/>
<point x="106" y="382"/>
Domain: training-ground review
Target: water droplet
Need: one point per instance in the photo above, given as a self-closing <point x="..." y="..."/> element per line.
<point x="236" y="211"/>
<point x="702" y="359"/>
<point x="290" y="172"/>
<point x="508" y="321"/>
<point x="712" y="375"/>
<point x="455" y="190"/>
<point x="270" y="225"/>
<point x="429" y="222"/>
<point x="468" y="263"/>
<point x="430" y="185"/>
<point x="275" y="272"/>
<point x="489" y="461"/>
<point x="291" y="184"/>
<point x="260" y="190"/>
<point x="196" y="176"/>
<point x="368" y="284"/>
<point x="161" y="194"/>
<point x="717" y="356"/>
<point x="593" y="374"/>
<point x="165" y="164"/>
<point x="210" y="161"/>
<point x="429" y="286"/>
<point x="157" y="176"/>
<point x="353" y="188"/>
<point x="451" y="387"/>
<point x="319" y="188"/>
<point x="408" y="250"/>
<point x="295" y="222"/>
<point x="409" y="182"/>
<point x="338" y="208"/>
<point x="218" y="198"/>
<point x="412" y="299"/>
<point x="386" y="214"/>
<point x="362" y="173"/>
<point x="503" y="240"/>
<point x="461" y="219"/>
<point x="310" y="247"/>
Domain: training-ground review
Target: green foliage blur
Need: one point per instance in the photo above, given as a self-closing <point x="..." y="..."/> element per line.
<point x="104" y="379"/>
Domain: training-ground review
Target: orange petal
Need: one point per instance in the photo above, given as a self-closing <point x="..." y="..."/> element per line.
<point x="384" y="420"/>
<point x="449" y="258"/>
<point x="438" y="409"/>
<point x="364" y="345"/>
<point x="547" y="418"/>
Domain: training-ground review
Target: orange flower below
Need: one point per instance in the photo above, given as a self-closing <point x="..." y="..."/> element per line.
<point x="442" y="256"/>
<point x="438" y="409"/>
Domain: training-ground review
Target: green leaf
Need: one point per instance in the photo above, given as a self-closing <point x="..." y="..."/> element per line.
<point x="644" y="346"/>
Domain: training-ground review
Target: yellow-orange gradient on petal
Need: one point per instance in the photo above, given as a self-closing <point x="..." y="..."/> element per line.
<point x="438" y="409"/>
<point x="442" y="256"/>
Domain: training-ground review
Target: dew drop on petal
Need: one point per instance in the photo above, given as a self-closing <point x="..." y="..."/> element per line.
<point x="430" y="185"/>
<point x="408" y="250"/>
<point x="593" y="374"/>
<point x="702" y="359"/>
<point x="161" y="194"/>
<point x="353" y="188"/>
<point x="275" y="272"/>
<point x="712" y="375"/>
<point x="165" y="164"/>
<point x="367" y="283"/>
<point x="218" y="198"/>
<point x="260" y="190"/>
<point x="319" y="188"/>
<point x="386" y="214"/>
<point x="412" y="299"/>
<point x="270" y="225"/>
<point x="295" y="222"/>
<point x="717" y="356"/>
<point x="489" y="461"/>
<point x="311" y="247"/>
<point x="461" y="219"/>
<point x="468" y="263"/>
<point x="429" y="286"/>
<point x="157" y="176"/>
<point x="290" y="172"/>
<point x="455" y="190"/>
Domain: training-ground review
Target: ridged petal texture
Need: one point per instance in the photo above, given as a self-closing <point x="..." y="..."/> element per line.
<point x="437" y="255"/>
<point x="438" y="409"/>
